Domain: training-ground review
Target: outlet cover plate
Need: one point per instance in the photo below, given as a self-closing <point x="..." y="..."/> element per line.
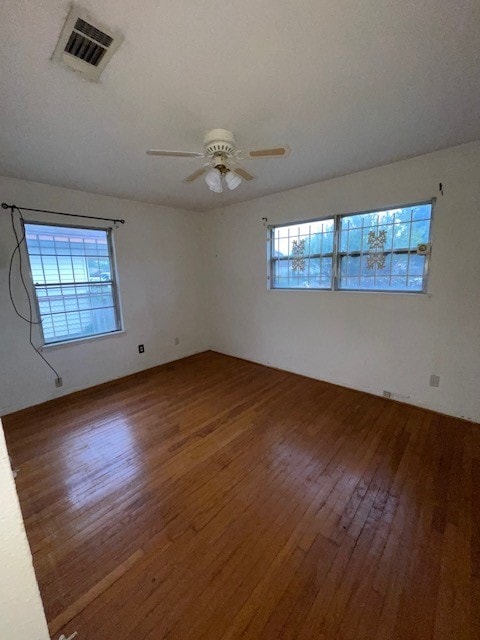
<point x="434" y="380"/>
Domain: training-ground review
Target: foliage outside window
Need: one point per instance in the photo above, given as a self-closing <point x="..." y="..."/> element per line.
<point x="384" y="250"/>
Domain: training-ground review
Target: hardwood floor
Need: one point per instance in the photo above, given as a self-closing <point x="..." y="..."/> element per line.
<point x="217" y="499"/>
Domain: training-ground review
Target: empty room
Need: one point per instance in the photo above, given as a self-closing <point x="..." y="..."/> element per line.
<point x="240" y="320"/>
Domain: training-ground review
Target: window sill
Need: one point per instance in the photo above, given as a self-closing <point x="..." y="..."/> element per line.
<point x="66" y="343"/>
<point x="417" y="294"/>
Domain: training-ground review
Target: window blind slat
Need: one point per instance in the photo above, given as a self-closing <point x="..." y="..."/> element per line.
<point x="73" y="278"/>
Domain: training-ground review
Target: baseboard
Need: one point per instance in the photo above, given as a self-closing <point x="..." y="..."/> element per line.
<point x="344" y="386"/>
<point x="73" y="393"/>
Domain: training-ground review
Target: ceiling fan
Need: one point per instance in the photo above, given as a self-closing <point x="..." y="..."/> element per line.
<point x="222" y="167"/>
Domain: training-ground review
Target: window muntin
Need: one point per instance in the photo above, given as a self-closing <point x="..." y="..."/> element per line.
<point x="371" y="251"/>
<point x="73" y="276"/>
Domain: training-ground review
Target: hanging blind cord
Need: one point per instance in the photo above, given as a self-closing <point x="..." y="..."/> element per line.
<point x="31" y="322"/>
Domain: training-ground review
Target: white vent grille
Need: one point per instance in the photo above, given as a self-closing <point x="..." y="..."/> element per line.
<point x="93" y="33"/>
<point x="85" y="45"/>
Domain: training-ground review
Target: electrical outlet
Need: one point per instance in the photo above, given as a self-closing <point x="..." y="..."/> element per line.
<point x="58" y="382"/>
<point x="177" y="340"/>
<point x="387" y="394"/>
<point x="434" y="380"/>
<point x="141" y="348"/>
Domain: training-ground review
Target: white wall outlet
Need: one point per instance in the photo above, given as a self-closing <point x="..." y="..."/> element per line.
<point x="387" y="394"/>
<point x="434" y="380"/>
<point x="58" y="382"/>
<point x="177" y="340"/>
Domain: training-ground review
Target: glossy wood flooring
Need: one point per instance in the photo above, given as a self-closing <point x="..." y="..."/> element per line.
<point x="218" y="499"/>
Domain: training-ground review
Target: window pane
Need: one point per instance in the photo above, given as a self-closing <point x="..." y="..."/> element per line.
<point x="378" y="249"/>
<point x="72" y="273"/>
<point x="420" y="232"/>
<point x="302" y="255"/>
<point x="317" y="274"/>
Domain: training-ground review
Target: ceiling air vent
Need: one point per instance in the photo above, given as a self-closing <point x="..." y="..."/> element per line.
<point x="85" y="45"/>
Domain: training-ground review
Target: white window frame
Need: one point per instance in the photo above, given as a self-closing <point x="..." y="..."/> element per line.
<point x="113" y="282"/>
<point x="337" y="254"/>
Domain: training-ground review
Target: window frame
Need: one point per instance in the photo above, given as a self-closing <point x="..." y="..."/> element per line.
<point x="114" y="284"/>
<point x="337" y="255"/>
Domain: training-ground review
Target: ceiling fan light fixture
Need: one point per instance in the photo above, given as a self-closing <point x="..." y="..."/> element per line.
<point x="220" y="151"/>
<point x="213" y="178"/>
<point x="233" y="181"/>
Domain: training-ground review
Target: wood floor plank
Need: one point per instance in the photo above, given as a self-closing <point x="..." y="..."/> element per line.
<point x="76" y="608"/>
<point x="217" y="499"/>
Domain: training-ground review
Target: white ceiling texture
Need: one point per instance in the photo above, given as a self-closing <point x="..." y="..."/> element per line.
<point x="347" y="85"/>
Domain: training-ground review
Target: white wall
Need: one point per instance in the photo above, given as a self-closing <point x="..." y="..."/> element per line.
<point x="21" y="611"/>
<point x="368" y="341"/>
<point x="161" y="275"/>
<point x="201" y="277"/>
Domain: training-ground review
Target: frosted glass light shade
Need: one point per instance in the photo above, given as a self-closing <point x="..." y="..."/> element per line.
<point x="213" y="178"/>
<point x="233" y="180"/>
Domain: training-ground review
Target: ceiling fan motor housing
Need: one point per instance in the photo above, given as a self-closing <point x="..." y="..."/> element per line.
<point x="219" y="142"/>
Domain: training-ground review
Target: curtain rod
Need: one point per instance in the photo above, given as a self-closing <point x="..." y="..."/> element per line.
<point x="12" y="207"/>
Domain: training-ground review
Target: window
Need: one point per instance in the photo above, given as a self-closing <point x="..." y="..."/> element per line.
<point x="302" y="255"/>
<point x="74" y="279"/>
<point x="374" y="251"/>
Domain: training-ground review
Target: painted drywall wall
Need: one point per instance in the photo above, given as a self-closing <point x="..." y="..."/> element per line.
<point x="21" y="610"/>
<point x="201" y="277"/>
<point x="160" y="264"/>
<point x="368" y="341"/>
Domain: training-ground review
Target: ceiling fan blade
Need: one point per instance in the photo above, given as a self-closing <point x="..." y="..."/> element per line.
<point x="196" y="174"/>
<point x="243" y="173"/>
<point x="175" y="154"/>
<point x="274" y="152"/>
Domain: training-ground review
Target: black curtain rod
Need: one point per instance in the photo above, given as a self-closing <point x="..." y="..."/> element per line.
<point x="12" y="207"/>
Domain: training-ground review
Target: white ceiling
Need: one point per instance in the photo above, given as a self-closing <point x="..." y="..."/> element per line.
<point x="347" y="84"/>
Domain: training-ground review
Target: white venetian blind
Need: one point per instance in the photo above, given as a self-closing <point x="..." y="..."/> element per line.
<point x="74" y="282"/>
